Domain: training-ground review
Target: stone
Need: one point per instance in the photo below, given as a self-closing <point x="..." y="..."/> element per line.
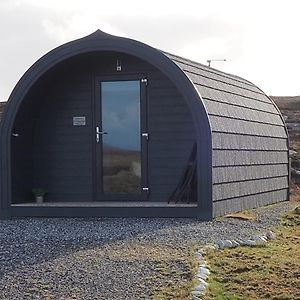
<point x="250" y="243"/>
<point x="220" y="244"/>
<point x="196" y="293"/>
<point x="297" y="210"/>
<point x="203" y="270"/>
<point x="200" y="288"/>
<point x="203" y="264"/>
<point x="199" y="255"/>
<point x="260" y="239"/>
<point x="200" y="252"/>
<point x="227" y="244"/>
<point x="271" y="235"/>
<point x="202" y="281"/>
<point x="235" y="243"/>
<point x="202" y="273"/>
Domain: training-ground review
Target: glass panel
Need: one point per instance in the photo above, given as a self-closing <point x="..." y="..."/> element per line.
<point x="122" y="143"/>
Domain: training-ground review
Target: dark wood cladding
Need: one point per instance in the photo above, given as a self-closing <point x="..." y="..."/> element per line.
<point x="249" y="140"/>
<point x="63" y="154"/>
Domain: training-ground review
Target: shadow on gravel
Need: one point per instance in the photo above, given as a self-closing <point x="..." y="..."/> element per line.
<point x="33" y="241"/>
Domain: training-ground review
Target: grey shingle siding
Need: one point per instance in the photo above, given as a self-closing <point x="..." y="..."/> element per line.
<point x="236" y="100"/>
<point x="249" y="140"/>
<point x="248" y="202"/>
<point x="239" y="173"/>
<point x="245" y="157"/>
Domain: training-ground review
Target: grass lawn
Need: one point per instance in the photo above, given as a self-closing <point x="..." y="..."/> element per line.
<point x="266" y="272"/>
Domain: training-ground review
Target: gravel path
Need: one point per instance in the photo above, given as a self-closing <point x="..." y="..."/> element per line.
<point x="108" y="258"/>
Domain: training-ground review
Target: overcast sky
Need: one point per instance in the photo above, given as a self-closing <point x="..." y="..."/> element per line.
<point x="260" y="39"/>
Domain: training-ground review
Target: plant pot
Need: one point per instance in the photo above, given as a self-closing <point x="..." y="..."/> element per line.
<point x="39" y="199"/>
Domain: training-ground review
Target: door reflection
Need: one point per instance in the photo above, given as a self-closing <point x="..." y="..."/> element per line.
<point x="121" y="155"/>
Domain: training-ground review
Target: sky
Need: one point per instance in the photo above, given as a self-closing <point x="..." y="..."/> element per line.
<point x="259" y="39"/>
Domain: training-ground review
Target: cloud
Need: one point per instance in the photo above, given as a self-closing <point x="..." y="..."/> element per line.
<point x="259" y="39"/>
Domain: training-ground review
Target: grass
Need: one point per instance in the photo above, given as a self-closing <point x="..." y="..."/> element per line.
<point x="182" y="289"/>
<point x="268" y="272"/>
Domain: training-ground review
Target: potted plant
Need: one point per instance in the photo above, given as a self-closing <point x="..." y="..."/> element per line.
<point x="39" y="194"/>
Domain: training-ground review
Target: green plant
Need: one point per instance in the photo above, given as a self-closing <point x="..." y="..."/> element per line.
<point x="39" y="192"/>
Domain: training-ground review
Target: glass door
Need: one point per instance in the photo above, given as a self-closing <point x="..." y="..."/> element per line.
<point x="119" y="140"/>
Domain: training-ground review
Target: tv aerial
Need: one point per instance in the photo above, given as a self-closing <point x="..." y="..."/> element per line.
<point x="209" y="61"/>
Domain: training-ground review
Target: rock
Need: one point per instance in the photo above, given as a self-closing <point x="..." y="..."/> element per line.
<point x="203" y="273"/>
<point x="202" y="281"/>
<point x="203" y="264"/>
<point x="199" y="255"/>
<point x="220" y="244"/>
<point x="271" y="235"/>
<point x="200" y="252"/>
<point x="260" y="239"/>
<point x="200" y="288"/>
<point x="227" y="244"/>
<point x="197" y="295"/>
<point x="203" y="270"/>
<point x="297" y="210"/>
<point x="235" y="243"/>
<point x="250" y="243"/>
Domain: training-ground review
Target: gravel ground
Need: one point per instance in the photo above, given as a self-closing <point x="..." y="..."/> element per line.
<point x="108" y="258"/>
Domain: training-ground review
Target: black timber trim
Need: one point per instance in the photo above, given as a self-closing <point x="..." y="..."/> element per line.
<point x="253" y="194"/>
<point x="101" y="42"/>
<point x="98" y="150"/>
<point x="248" y="150"/>
<point x="248" y="165"/>
<point x="114" y="212"/>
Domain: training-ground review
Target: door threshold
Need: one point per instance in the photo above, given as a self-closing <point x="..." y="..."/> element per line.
<point x="105" y="204"/>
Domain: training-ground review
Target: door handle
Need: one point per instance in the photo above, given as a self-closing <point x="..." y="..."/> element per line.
<point x="98" y="133"/>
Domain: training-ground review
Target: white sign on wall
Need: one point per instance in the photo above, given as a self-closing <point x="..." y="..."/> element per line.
<point x="79" y="121"/>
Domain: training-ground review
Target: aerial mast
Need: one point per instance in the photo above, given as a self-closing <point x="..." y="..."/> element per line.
<point x="210" y="60"/>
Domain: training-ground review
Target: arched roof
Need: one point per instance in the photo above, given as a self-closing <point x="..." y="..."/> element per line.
<point x="234" y="105"/>
<point x="100" y="41"/>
